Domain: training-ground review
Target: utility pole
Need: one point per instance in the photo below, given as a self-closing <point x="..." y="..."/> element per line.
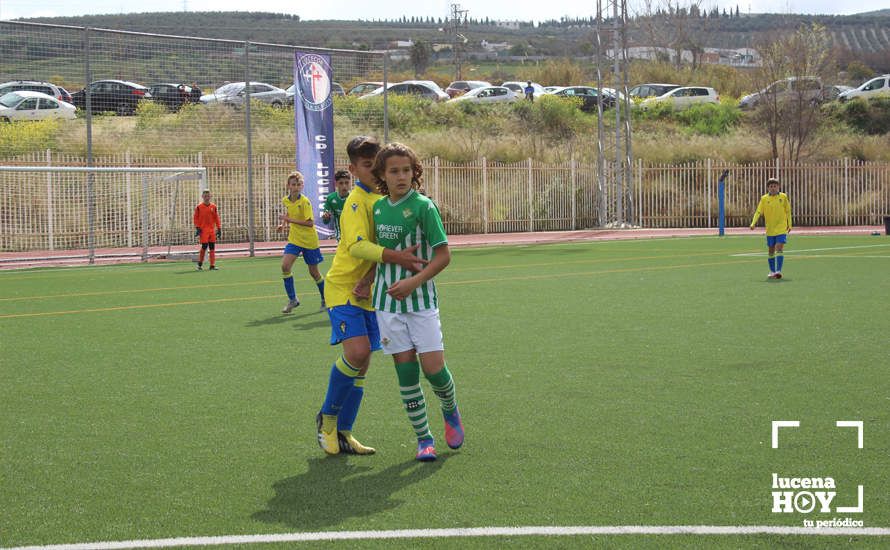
<point x="615" y="181"/>
<point x="457" y="23"/>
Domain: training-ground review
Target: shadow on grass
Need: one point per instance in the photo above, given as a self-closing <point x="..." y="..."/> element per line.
<point x="334" y="490"/>
<point x="320" y="320"/>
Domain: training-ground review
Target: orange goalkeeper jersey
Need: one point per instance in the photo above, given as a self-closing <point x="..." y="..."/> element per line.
<point x="206" y="217"/>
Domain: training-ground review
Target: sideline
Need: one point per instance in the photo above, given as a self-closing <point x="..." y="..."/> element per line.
<point x="474" y="532"/>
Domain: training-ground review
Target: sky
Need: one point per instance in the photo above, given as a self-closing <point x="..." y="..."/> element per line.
<point x="525" y="10"/>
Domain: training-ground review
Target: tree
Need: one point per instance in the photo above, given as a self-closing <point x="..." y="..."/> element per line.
<point x="421" y="52"/>
<point x="789" y="110"/>
<point x="675" y="26"/>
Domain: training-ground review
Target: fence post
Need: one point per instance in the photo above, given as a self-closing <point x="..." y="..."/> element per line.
<point x="144" y="218"/>
<point x="50" y="213"/>
<point x="531" y="212"/>
<point x="266" y="197"/>
<point x="708" y="199"/>
<point x="846" y="191"/>
<point x="251" y="237"/>
<point x="640" y="190"/>
<point x="436" y="181"/>
<point x="127" y="182"/>
<point x="574" y="191"/>
<point x="385" y="97"/>
<point x="484" y="196"/>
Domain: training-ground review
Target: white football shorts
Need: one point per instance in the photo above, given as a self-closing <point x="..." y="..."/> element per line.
<point x="418" y="330"/>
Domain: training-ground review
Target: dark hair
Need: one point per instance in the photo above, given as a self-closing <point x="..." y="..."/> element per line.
<point x="362" y="147"/>
<point x="396" y="150"/>
<point x="340" y="174"/>
<point x="772" y="180"/>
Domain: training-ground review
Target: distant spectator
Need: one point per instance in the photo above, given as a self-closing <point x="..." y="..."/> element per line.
<point x="529" y="91"/>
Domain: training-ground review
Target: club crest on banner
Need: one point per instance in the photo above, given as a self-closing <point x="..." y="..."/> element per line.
<point x="314" y="82"/>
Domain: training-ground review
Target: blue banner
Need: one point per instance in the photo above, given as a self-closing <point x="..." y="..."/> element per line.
<point x="314" y="120"/>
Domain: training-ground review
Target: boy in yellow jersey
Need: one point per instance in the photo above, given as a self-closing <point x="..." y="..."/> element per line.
<point x="776" y="210"/>
<point x="301" y="239"/>
<point x="347" y="294"/>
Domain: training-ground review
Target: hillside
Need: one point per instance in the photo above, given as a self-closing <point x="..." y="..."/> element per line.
<point x="861" y="34"/>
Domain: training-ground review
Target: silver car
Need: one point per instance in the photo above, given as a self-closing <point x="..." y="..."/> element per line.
<point x="807" y="88"/>
<point x="235" y="92"/>
<point x="486" y="94"/>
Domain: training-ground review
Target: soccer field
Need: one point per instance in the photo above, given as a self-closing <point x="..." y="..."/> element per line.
<point x="623" y="383"/>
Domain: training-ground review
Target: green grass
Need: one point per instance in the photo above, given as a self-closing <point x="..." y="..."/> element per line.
<point x="610" y="383"/>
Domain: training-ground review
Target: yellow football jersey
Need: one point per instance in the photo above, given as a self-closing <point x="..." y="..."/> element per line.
<point x="356" y="224"/>
<point x="300" y="209"/>
<point x="776" y="211"/>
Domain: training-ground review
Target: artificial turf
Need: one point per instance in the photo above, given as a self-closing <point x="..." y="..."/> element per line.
<point x="607" y="383"/>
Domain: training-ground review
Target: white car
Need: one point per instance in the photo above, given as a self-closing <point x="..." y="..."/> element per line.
<point x="683" y="98"/>
<point x="27" y="105"/>
<point x="422" y="88"/>
<point x="234" y="93"/>
<point x="487" y="94"/>
<point x="876" y="86"/>
<point x="518" y="88"/>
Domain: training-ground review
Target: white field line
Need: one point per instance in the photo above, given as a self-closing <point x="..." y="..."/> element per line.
<point x="473" y="532"/>
<point x="795" y="251"/>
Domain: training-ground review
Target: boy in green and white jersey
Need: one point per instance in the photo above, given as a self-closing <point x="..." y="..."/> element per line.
<point x="407" y="304"/>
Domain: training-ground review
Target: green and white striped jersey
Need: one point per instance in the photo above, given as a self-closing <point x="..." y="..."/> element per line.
<point x="413" y="219"/>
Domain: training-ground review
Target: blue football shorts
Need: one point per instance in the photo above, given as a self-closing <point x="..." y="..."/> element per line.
<point x="774" y="239"/>
<point x="312" y="256"/>
<point x="349" y="321"/>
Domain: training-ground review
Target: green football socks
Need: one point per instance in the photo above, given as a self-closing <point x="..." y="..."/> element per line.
<point x="443" y="386"/>
<point x="412" y="398"/>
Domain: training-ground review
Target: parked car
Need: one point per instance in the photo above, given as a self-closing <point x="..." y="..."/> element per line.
<point x="234" y="93"/>
<point x="28" y="105"/>
<point x="487" y="94"/>
<point x="364" y="88"/>
<point x="174" y="96"/>
<point x="459" y="87"/>
<point x="587" y="95"/>
<point x="548" y="89"/>
<point x="684" y="97"/>
<point x="518" y="88"/>
<point x="643" y="91"/>
<point x="119" y="96"/>
<point x="806" y="88"/>
<point x="336" y="89"/>
<point x="422" y="88"/>
<point x="47" y="88"/>
<point x="833" y="91"/>
<point x="871" y="88"/>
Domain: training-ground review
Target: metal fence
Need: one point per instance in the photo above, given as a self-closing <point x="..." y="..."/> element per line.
<point x="840" y="192"/>
<point x="73" y="57"/>
<point x="476" y="197"/>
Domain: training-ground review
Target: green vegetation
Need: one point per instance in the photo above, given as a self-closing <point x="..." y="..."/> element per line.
<point x="611" y="383"/>
<point x="17" y="138"/>
<point x="870" y="117"/>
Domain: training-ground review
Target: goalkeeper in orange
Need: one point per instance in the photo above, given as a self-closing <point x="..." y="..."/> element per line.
<point x="207" y="228"/>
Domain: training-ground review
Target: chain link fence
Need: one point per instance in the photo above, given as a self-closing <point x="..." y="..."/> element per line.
<point x="147" y="100"/>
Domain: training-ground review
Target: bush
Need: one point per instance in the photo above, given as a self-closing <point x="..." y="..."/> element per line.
<point x="867" y="116"/>
<point x="710" y="119"/>
<point x="149" y="114"/>
<point x="24" y="137"/>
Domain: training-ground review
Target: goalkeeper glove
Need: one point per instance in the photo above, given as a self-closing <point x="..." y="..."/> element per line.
<point x="197" y="232"/>
<point x="218" y="232"/>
